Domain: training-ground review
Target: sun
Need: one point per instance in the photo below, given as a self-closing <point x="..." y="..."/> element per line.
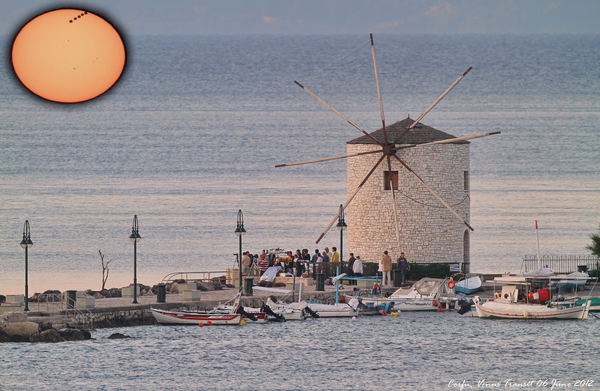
<point x="68" y="55"/>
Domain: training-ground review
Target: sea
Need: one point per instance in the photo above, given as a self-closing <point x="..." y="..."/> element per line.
<point x="191" y="134"/>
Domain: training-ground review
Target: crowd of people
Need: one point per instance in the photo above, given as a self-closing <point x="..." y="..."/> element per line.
<point x="301" y="262"/>
<point x="320" y="262"/>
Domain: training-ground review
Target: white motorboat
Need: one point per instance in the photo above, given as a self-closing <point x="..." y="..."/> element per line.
<point x="427" y="294"/>
<point x="526" y="297"/>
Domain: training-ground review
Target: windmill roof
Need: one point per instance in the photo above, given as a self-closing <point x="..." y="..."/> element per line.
<point x="420" y="134"/>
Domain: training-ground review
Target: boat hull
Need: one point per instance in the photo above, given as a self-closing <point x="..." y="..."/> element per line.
<point x="496" y="310"/>
<point x="194" y="318"/>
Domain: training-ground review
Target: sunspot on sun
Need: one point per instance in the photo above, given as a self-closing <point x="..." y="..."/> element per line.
<point x="68" y="55"/>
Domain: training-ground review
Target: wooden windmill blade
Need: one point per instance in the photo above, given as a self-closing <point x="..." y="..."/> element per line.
<point x="366" y="178"/>
<point x="448" y="141"/>
<point x="386" y="147"/>
<point x="434" y="193"/>
<point x="337" y="112"/>
<point x="327" y="159"/>
<point x="432" y="105"/>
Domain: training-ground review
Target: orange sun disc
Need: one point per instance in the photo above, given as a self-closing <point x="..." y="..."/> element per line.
<point x="68" y="55"/>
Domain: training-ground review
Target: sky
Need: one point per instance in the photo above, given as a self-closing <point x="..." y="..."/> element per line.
<point x="238" y="17"/>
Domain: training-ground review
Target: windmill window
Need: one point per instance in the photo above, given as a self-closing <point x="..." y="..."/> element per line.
<point x="466" y="181"/>
<point x="386" y="179"/>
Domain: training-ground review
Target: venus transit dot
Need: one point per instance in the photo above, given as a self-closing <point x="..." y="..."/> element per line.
<point x="68" y="55"/>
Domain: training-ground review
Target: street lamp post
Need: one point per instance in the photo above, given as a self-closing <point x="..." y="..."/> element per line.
<point x="240" y="231"/>
<point x="341" y="225"/>
<point x="26" y="243"/>
<point x="135" y="237"/>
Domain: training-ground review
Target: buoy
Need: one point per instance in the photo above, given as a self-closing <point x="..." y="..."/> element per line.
<point x="497" y="295"/>
<point x="342" y="299"/>
<point x="201" y="324"/>
<point x="394" y="314"/>
<point x="525" y="314"/>
<point x="451" y="284"/>
<point x="506" y="295"/>
<point x="383" y="313"/>
<point x="440" y="310"/>
<point x="435" y="303"/>
<point x="209" y="323"/>
<point x="354" y="318"/>
<point x="243" y="323"/>
<point x="530" y="296"/>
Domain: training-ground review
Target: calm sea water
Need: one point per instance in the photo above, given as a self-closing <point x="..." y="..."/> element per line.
<point x="427" y="351"/>
<point x="195" y="127"/>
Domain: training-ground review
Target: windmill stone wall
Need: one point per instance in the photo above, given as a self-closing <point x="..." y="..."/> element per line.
<point x="429" y="233"/>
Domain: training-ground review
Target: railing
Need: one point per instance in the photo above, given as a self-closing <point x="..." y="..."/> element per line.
<point x="561" y="263"/>
<point x="196" y="276"/>
<point x="68" y="306"/>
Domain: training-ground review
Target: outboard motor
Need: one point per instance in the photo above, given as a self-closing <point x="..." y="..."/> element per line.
<point x="248" y="315"/>
<point x="465" y="306"/>
<point x="267" y="310"/>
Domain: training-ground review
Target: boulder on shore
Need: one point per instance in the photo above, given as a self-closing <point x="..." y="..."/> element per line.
<point x="49" y="335"/>
<point x="21" y="331"/>
<point x="118" y="336"/>
<point x="71" y="334"/>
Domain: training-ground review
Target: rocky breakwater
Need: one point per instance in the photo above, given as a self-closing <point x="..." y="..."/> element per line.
<point x="15" y="327"/>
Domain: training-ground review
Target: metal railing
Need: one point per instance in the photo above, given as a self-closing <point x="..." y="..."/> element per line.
<point x="561" y="263"/>
<point x="193" y="276"/>
<point x="67" y="306"/>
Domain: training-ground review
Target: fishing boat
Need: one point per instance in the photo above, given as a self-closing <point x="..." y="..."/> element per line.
<point x="468" y="285"/>
<point x="594" y="303"/>
<point x="195" y="317"/>
<point x="524" y="297"/>
<point x="186" y="317"/>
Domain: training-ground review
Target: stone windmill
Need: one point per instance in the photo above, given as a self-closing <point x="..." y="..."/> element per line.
<point x="387" y="147"/>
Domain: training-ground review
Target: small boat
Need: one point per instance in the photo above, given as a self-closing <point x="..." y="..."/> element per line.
<point x="273" y="312"/>
<point x="232" y="317"/>
<point x="195" y="317"/>
<point x="352" y="308"/>
<point x="571" y="281"/>
<point x="427" y="294"/>
<point x="519" y="301"/>
<point x="468" y="285"/>
<point x="594" y="303"/>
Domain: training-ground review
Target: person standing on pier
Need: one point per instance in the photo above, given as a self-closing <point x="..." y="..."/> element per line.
<point x="246" y="262"/>
<point x="314" y="260"/>
<point x="263" y="263"/>
<point x="386" y="268"/>
<point x="335" y="258"/>
<point x="357" y="268"/>
<point x="325" y="267"/>
<point x="350" y="270"/>
<point x="402" y="266"/>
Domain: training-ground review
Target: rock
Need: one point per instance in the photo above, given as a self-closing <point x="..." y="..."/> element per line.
<point x="174" y="288"/>
<point x="4" y="337"/>
<point x="205" y="287"/>
<point x="2" y="299"/>
<point x="98" y="295"/>
<point x="71" y="334"/>
<point x="15" y="317"/>
<point x="59" y="326"/>
<point x="118" y="336"/>
<point x="21" y="331"/>
<point x="86" y="334"/>
<point x="115" y="292"/>
<point x="105" y="293"/>
<point x="50" y="335"/>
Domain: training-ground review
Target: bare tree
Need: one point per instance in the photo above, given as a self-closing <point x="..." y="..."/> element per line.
<point x="105" y="269"/>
